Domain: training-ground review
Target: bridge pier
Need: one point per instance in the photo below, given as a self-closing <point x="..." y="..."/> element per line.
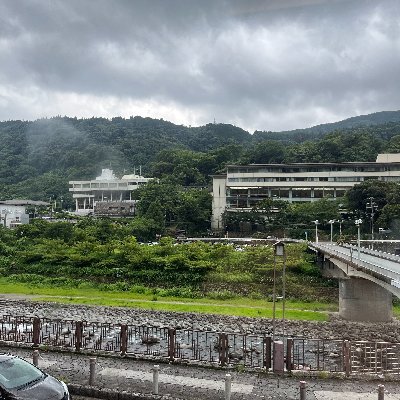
<point x="363" y="300"/>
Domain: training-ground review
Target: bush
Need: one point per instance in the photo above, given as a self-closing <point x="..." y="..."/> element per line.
<point x="221" y="295"/>
<point x="139" y="289"/>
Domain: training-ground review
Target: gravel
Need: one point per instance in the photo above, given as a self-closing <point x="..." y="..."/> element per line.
<point x="335" y="328"/>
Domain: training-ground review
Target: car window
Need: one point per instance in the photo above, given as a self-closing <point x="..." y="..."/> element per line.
<point x="16" y="373"/>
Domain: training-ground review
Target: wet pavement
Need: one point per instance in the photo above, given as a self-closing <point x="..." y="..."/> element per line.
<point x="189" y="382"/>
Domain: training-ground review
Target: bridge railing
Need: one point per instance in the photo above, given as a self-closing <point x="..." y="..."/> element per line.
<point x="354" y="261"/>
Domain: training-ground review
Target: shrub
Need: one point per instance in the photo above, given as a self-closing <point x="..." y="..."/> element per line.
<point x="221" y="295"/>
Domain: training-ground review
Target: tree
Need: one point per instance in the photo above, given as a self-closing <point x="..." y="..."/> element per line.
<point x="267" y="152"/>
<point x="158" y="201"/>
<point x="194" y="210"/>
<point x="359" y="195"/>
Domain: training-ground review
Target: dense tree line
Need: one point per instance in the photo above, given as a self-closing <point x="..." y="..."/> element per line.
<point x="107" y="255"/>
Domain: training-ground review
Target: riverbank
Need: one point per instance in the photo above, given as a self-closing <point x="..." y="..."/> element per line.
<point x="334" y="328"/>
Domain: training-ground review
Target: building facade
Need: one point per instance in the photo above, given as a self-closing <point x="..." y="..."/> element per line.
<point x="106" y="195"/>
<point x="13" y="212"/>
<point x="243" y="186"/>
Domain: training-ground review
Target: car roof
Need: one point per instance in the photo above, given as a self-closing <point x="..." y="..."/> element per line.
<point x="5" y="356"/>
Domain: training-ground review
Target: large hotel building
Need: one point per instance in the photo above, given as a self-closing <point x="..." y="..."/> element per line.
<point x="243" y="186"/>
<point x="107" y="194"/>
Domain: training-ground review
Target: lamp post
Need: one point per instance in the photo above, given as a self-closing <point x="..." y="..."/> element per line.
<point x="358" y="223"/>
<point x="316" y="222"/>
<point x="340" y="227"/>
<point x="372" y="206"/>
<point x="279" y="251"/>
<point x="332" y="221"/>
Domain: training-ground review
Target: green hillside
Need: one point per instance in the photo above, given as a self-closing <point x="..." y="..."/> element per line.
<point x="38" y="158"/>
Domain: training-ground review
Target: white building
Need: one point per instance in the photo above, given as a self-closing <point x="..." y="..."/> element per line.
<point x="243" y="186"/>
<point x="106" y="192"/>
<point x="13" y="212"/>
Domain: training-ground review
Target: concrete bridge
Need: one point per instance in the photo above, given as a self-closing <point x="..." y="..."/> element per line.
<point x="367" y="279"/>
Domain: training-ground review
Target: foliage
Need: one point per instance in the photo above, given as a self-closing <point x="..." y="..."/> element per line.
<point x="385" y="197"/>
<point x="106" y="253"/>
<point x="42" y="156"/>
<point x="171" y="205"/>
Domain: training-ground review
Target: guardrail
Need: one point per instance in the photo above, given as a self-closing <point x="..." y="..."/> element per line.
<point x="353" y="260"/>
<point x="207" y="348"/>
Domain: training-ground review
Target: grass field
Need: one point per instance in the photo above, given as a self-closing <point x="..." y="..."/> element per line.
<point x="238" y="306"/>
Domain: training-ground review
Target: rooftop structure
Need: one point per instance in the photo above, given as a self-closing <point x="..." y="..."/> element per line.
<point x="243" y="186"/>
<point x="106" y="193"/>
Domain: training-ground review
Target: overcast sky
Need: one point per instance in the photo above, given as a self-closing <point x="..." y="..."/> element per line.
<point x="261" y="65"/>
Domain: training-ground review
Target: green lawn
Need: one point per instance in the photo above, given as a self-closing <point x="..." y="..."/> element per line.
<point x="237" y="306"/>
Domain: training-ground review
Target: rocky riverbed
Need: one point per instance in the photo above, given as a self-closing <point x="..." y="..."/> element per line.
<point x="333" y="329"/>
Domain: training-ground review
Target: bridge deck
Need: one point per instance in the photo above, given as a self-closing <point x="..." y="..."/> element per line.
<point x="371" y="261"/>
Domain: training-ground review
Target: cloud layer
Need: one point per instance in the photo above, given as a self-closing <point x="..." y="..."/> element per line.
<point x="266" y="65"/>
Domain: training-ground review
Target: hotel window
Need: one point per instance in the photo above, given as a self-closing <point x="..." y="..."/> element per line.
<point x="284" y="193"/>
<point x="301" y="193"/>
<point x="329" y="193"/>
<point x="318" y="193"/>
<point x="340" y="193"/>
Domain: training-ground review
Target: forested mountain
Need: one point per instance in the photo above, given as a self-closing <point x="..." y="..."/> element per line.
<point x="38" y="158"/>
<point x="299" y="135"/>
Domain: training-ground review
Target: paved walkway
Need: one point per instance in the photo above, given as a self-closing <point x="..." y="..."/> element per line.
<point x="188" y="382"/>
<point x="330" y="395"/>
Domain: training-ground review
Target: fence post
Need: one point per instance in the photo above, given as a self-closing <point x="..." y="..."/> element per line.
<point x="302" y="390"/>
<point x="123" y="339"/>
<point x="36" y="332"/>
<point x="156" y="370"/>
<point x="228" y="385"/>
<point x="268" y="354"/>
<point x="346" y="357"/>
<point x="381" y="392"/>
<point x="36" y="358"/>
<point x="78" y="335"/>
<point x="289" y="347"/>
<point x="171" y="343"/>
<point x="223" y="348"/>
<point x="278" y="357"/>
<point x="92" y="370"/>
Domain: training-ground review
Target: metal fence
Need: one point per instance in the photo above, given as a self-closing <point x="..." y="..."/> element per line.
<point x="202" y="347"/>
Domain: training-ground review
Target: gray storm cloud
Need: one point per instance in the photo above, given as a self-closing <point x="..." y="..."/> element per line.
<point x="266" y="65"/>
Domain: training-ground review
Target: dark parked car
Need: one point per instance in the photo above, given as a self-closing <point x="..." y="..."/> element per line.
<point x="20" y="380"/>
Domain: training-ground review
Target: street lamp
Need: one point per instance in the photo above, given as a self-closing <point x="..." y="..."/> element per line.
<point x="340" y="227"/>
<point x="316" y="222"/>
<point x="279" y="251"/>
<point x="332" y="221"/>
<point x="358" y="223"/>
<point x="372" y="206"/>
